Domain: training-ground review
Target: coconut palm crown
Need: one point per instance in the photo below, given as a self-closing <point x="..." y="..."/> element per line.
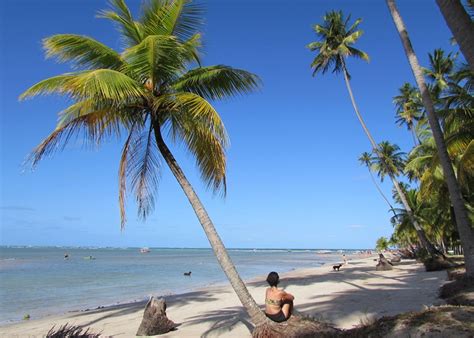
<point x="146" y="89"/>
<point x="389" y="161"/>
<point x="335" y="43"/>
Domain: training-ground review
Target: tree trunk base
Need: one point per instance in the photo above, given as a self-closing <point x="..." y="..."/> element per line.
<point x="437" y="263"/>
<point x="383" y="264"/>
<point x="296" y="326"/>
<point x="154" y="319"/>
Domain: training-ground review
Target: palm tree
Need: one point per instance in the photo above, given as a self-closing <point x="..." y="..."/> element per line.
<point x="441" y="67"/>
<point x="148" y="90"/>
<point x="334" y="46"/>
<point x="461" y="25"/>
<point x="366" y="159"/>
<point x="390" y="161"/>
<point x="407" y="104"/>
<point x="466" y="232"/>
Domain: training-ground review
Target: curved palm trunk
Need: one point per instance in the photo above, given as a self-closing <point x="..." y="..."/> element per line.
<point x="461" y="26"/>
<point x="381" y="193"/>
<point x="419" y="230"/>
<point x="256" y="315"/>
<point x="466" y="233"/>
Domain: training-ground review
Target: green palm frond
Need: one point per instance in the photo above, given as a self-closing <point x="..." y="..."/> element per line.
<point x="217" y="82"/>
<point x="196" y="123"/>
<point x="100" y="84"/>
<point x="82" y="51"/>
<point x="131" y="30"/>
<point x="180" y="18"/>
<point x="159" y="58"/>
<point x="465" y="170"/>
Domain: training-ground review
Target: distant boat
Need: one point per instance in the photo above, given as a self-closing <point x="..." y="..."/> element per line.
<point x="144" y="250"/>
<point x="89" y="257"/>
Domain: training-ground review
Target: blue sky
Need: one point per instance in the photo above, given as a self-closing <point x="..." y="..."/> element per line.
<point x="293" y="176"/>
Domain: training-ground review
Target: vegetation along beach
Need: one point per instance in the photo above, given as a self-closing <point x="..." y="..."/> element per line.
<point x="240" y="168"/>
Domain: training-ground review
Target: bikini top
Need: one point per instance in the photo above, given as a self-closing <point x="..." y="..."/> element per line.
<point x="273" y="301"/>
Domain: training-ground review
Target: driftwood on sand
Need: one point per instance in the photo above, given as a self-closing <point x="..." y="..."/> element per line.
<point x="154" y="319"/>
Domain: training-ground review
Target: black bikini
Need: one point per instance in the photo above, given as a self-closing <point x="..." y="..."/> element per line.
<point x="277" y="317"/>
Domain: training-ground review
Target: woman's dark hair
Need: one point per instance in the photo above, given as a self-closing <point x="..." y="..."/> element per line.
<point x="273" y="279"/>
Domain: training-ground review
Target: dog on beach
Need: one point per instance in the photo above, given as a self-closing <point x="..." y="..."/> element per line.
<point x="187" y="273"/>
<point x="336" y="267"/>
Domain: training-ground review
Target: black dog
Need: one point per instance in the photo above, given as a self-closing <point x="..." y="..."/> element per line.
<point x="187" y="273"/>
<point x="336" y="267"/>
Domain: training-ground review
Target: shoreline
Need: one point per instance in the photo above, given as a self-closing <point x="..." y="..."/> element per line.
<point x="89" y="303"/>
<point x="355" y="294"/>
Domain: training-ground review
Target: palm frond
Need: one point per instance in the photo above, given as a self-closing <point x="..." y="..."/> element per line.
<point x="100" y="84"/>
<point x="94" y="124"/>
<point x="180" y="18"/>
<point x="158" y="58"/>
<point x="198" y="125"/>
<point x="82" y="51"/>
<point x="123" y="172"/>
<point x="217" y="82"/>
<point x="120" y="14"/>
<point x="142" y="167"/>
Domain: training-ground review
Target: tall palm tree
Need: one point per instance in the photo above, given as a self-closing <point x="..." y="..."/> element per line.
<point x="407" y="104"/>
<point x="150" y="90"/>
<point x="441" y="67"/>
<point x="466" y="232"/>
<point x="366" y="159"/>
<point x="461" y="25"/>
<point x="389" y="161"/>
<point x="335" y="44"/>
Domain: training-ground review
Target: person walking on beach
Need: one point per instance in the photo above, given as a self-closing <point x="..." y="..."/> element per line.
<point x="278" y="303"/>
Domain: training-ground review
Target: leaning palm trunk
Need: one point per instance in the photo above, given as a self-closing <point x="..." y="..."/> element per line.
<point x="256" y="315"/>
<point x="381" y="193"/>
<point x="419" y="230"/>
<point x="461" y="26"/>
<point x="466" y="233"/>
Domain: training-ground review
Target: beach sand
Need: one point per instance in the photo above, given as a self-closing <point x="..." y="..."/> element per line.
<point x="347" y="298"/>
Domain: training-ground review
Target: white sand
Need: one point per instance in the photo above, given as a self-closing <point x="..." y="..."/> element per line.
<point x="356" y="294"/>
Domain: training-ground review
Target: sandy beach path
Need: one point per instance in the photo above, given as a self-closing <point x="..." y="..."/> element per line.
<point x="355" y="294"/>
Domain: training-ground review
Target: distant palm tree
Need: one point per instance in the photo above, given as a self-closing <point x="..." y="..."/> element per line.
<point x="441" y="67"/>
<point x="390" y="162"/>
<point x="366" y="159"/>
<point x="147" y="90"/>
<point x="407" y="104"/>
<point x="335" y="44"/>
<point x="461" y="25"/>
<point x="466" y="232"/>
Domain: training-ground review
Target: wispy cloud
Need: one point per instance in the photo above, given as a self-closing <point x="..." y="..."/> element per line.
<point x="16" y="208"/>
<point x="356" y="226"/>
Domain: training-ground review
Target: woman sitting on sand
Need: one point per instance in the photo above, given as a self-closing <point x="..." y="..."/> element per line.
<point x="278" y="303"/>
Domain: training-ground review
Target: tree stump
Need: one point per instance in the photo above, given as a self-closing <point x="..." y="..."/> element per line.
<point x="383" y="264"/>
<point x="295" y="327"/>
<point x="154" y="319"/>
<point x="437" y="263"/>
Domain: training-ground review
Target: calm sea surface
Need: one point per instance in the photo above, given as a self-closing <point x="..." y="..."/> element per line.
<point x="40" y="282"/>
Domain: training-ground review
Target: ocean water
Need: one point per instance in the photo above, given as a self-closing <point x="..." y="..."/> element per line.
<point x="40" y="282"/>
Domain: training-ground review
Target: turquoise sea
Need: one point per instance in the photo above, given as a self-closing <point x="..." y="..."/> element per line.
<point x="39" y="281"/>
